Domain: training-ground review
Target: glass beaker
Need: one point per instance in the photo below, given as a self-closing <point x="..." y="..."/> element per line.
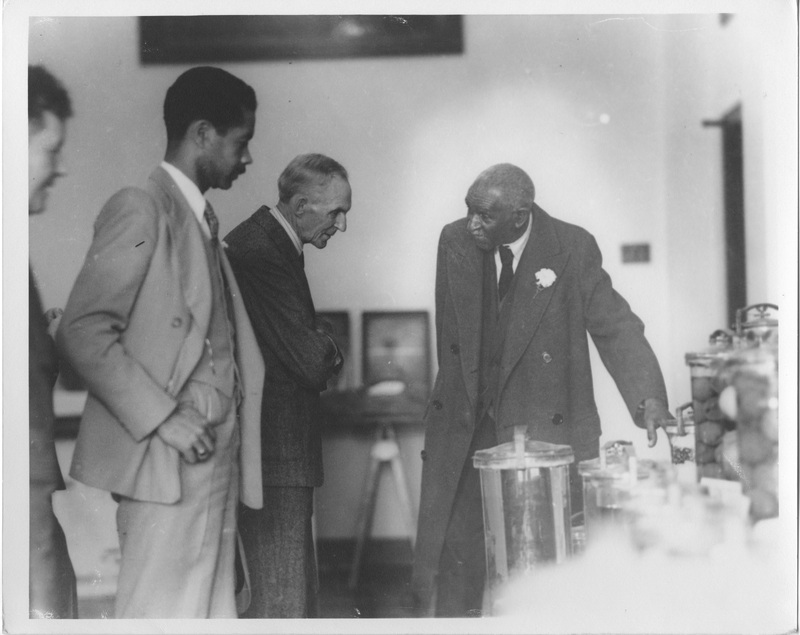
<point x="680" y="433"/>
<point x="610" y="486"/>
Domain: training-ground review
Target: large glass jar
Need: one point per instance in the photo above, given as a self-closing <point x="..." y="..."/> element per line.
<point x="714" y="432"/>
<point x="526" y="508"/>
<point x="752" y="399"/>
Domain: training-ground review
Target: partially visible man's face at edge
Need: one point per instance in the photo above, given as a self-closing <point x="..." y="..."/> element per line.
<point x="45" y="140"/>
<point x="489" y="219"/>
<point x="325" y="212"/>
<point x="228" y="155"/>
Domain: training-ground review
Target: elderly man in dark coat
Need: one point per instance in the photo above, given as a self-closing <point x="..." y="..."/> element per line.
<point x="517" y="294"/>
<point x="266" y="253"/>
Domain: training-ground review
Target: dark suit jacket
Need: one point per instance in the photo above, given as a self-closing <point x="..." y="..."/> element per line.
<point x="545" y="378"/>
<point x="51" y="587"/>
<point x="46" y="475"/>
<point x="298" y="358"/>
<point x="134" y="329"/>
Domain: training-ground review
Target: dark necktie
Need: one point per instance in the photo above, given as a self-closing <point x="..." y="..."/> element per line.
<point x="213" y="223"/>
<point x="302" y="260"/>
<point x="507" y="273"/>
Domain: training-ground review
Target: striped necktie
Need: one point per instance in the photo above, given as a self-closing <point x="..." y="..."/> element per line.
<point x="213" y="223"/>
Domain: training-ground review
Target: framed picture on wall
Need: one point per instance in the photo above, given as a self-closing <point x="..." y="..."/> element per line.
<point x="339" y="322"/>
<point x="396" y="351"/>
<point x="229" y="38"/>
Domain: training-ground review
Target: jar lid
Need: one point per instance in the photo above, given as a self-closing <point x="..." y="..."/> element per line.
<point x="763" y="317"/>
<point x="535" y="454"/>
<point x="720" y="344"/>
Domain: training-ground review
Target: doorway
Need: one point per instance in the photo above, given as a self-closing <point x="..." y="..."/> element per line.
<point x="733" y="202"/>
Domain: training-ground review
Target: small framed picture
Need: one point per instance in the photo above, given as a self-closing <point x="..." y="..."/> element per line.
<point x="396" y="351"/>
<point x="339" y="322"/>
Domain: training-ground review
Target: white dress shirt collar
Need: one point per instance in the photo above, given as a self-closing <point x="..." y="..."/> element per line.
<point x="517" y="247"/>
<point x="298" y="244"/>
<point x="191" y="193"/>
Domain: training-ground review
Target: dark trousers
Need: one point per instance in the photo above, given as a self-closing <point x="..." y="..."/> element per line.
<point x="52" y="587"/>
<point x="279" y="547"/>
<point x="462" y="567"/>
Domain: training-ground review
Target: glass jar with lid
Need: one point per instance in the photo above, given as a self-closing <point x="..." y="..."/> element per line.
<point x="526" y="507"/>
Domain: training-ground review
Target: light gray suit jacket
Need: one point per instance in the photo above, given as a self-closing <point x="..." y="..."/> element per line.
<point x="134" y="328"/>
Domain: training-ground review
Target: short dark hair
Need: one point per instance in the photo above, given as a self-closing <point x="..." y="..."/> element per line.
<point x="303" y="170"/>
<point x="209" y="93"/>
<point x="46" y="94"/>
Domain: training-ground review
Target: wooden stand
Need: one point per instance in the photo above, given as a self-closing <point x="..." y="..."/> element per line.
<point x="384" y="450"/>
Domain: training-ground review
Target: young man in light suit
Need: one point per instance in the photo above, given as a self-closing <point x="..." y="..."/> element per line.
<point x="156" y="328"/>
<point x="518" y="292"/>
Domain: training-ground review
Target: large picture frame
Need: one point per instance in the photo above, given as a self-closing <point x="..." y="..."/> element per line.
<point x="339" y="322"/>
<point x="396" y="348"/>
<point x="231" y="38"/>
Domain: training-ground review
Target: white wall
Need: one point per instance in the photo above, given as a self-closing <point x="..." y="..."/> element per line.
<point x="604" y="112"/>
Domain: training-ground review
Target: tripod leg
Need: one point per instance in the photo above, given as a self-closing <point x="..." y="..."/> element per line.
<point x="365" y="511"/>
<point x="404" y="496"/>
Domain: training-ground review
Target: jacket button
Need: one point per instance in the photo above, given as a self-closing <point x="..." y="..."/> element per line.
<point x="455" y="349"/>
<point x="547" y="357"/>
<point x="437" y="405"/>
<point x="557" y="419"/>
<point x="423" y="455"/>
<point x="176" y="322"/>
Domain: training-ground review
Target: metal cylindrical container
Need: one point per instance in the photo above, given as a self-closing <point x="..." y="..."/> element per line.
<point x="526" y="508"/>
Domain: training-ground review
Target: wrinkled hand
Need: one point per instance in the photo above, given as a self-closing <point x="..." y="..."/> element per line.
<point x="324" y="327"/>
<point x="187" y="431"/>
<point x="53" y="319"/>
<point x="656" y="415"/>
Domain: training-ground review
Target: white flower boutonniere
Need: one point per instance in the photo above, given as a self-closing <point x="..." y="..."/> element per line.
<point x="545" y="278"/>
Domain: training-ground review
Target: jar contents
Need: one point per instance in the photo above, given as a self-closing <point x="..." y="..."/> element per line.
<point x="754" y="378"/>
<point x="711" y="426"/>
<point x="526" y="508"/>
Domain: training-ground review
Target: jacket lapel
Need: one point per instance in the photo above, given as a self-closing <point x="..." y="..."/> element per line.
<point x="190" y="261"/>
<point x="264" y="218"/>
<point x="465" y="278"/>
<point x="543" y="251"/>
